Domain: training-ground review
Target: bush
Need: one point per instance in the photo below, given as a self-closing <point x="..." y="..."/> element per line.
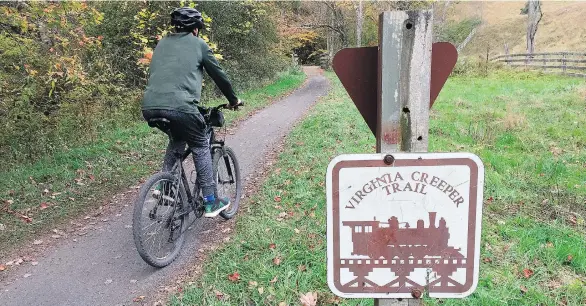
<point x="88" y="70"/>
<point x="475" y="66"/>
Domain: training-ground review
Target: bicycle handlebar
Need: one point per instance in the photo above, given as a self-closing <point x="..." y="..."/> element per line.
<point x="226" y="106"/>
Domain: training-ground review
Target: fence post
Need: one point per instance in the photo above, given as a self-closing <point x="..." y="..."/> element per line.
<point x="564" y="62"/>
<point x="404" y="76"/>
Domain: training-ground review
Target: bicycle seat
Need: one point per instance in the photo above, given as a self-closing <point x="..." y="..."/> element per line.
<point x="160" y="123"/>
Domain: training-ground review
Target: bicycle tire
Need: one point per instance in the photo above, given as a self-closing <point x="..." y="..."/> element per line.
<point x="137" y="224"/>
<point x="234" y="201"/>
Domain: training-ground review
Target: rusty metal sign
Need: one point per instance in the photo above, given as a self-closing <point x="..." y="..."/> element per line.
<point x="405" y="224"/>
<point x="357" y="70"/>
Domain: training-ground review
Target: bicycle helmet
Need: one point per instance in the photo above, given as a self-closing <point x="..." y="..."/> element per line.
<point x="186" y="19"/>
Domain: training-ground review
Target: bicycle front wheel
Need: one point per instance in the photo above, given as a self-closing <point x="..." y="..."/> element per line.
<point x="156" y="229"/>
<point x="227" y="176"/>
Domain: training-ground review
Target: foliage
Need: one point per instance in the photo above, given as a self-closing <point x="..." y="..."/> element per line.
<point x="455" y="32"/>
<point x="70" y="69"/>
<point x="525" y="9"/>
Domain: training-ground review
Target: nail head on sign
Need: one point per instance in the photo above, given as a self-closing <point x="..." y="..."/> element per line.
<point x="389" y="159"/>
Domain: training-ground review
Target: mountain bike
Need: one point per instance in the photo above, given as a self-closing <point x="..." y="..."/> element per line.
<point x="165" y="201"/>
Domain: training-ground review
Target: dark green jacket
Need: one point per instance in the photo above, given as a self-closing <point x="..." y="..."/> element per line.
<point x="176" y="74"/>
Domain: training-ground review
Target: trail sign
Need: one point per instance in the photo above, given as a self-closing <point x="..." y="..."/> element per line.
<point x="402" y="224"/>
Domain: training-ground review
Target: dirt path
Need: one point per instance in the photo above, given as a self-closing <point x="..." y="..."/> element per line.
<point x="100" y="266"/>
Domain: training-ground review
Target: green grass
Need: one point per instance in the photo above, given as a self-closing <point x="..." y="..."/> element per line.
<point x="81" y="179"/>
<point x="526" y="129"/>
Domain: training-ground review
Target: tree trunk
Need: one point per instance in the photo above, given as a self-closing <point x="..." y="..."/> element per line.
<point x="463" y="44"/>
<point x="359" y="20"/>
<point x="534" y="15"/>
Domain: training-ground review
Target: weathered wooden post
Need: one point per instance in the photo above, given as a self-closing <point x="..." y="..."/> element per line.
<point x="405" y="77"/>
<point x="373" y="251"/>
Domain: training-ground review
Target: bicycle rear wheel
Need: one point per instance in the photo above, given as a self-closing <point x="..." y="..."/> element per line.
<point x="156" y="230"/>
<point x="227" y="176"/>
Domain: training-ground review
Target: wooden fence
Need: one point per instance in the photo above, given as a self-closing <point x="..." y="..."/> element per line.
<point x="568" y="63"/>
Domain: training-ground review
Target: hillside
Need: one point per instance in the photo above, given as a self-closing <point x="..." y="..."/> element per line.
<point x="562" y="27"/>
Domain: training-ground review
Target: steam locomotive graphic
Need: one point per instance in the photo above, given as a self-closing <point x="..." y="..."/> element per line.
<point x="377" y="239"/>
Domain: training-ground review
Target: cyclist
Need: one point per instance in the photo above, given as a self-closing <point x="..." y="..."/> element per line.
<point x="173" y="92"/>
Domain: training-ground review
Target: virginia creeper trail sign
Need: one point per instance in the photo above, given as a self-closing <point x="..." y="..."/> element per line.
<point x="408" y="222"/>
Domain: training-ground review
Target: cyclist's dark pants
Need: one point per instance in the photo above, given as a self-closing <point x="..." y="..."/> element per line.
<point x="187" y="128"/>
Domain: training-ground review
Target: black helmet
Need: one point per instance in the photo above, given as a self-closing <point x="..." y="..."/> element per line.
<point x="186" y="18"/>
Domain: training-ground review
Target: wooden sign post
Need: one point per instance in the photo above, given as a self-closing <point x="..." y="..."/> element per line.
<point x="374" y="200"/>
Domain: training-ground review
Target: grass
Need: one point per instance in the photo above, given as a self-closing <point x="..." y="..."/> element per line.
<point x="525" y="127"/>
<point x="80" y="179"/>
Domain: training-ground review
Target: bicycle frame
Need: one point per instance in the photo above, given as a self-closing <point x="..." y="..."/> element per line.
<point x="178" y="167"/>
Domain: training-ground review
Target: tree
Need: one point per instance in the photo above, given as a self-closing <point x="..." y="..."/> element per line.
<point x="533" y="17"/>
<point x="359" y="21"/>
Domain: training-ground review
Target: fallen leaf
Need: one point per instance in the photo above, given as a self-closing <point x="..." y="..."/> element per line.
<point x="234" y="277"/>
<point x="44" y="205"/>
<point x="2" y="267"/>
<point x="487" y="260"/>
<point x="253" y="283"/>
<point x="25" y="218"/>
<point x="2" y="227"/>
<point x="133" y="281"/>
<point x="26" y="275"/>
<point x="108" y="281"/>
<point x="261" y="290"/>
<point x="277" y="261"/>
<point x="55" y="236"/>
<point x="18" y="261"/>
<point x="71" y="199"/>
<point x="91" y="177"/>
<point x="219" y="294"/>
<point x="297" y="231"/>
<point x="301" y="268"/>
<point x="527" y="273"/>
<point x="274" y="280"/>
<point x="37" y="242"/>
<point x="308" y="299"/>
<point x="489" y="200"/>
<point x="277" y="199"/>
<point x="549" y="245"/>
<point x="138" y="298"/>
<point x="34" y="263"/>
<point x="272" y="246"/>
<point x="282" y="304"/>
<point x="569" y="258"/>
<point x="573" y="220"/>
<point x="46" y="191"/>
<point x="523" y="289"/>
